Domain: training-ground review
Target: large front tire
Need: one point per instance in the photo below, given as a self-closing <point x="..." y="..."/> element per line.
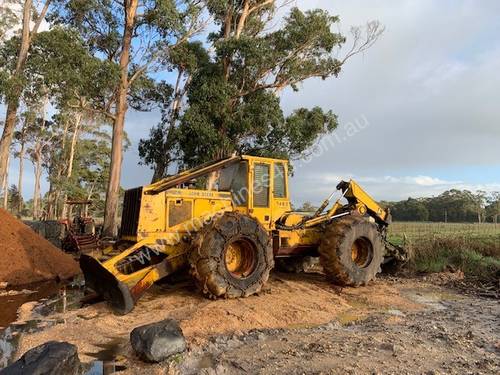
<point x="351" y="251"/>
<point x="231" y="257"/>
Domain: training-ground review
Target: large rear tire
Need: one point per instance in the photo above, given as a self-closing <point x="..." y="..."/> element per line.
<point x="231" y="257"/>
<point x="351" y="251"/>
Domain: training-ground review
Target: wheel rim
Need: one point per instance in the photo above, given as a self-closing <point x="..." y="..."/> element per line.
<point x="362" y="252"/>
<point x="240" y="258"/>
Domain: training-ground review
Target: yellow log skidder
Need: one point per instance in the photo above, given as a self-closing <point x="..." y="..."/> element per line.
<point x="229" y="234"/>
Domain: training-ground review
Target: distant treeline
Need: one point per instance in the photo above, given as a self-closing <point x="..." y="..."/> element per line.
<point x="450" y="206"/>
<point x="454" y="206"/>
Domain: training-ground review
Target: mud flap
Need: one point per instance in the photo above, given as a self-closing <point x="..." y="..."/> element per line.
<point x="99" y="279"/>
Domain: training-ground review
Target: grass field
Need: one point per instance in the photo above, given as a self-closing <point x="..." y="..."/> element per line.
<point x="472" y="248"/>
<point x="422" y="229"/>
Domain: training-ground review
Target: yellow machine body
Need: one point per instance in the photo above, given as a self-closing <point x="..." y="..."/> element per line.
<point x="160" y="220"/>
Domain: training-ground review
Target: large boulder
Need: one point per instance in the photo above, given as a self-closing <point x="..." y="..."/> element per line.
<point x="157" y="341"/>
<point x="51" y="358"/>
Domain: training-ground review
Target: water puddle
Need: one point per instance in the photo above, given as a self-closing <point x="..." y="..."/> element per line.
<point x="104" y="368"/>
<point x="10" y="336"/>
<point x="108" y="358"/>
<point x="29" y="309"/>
<point x="11" y="299"/>
<point x="43" y="300"/>
<point x="349" y="317"/>
<point x="396" y="312"/>
<point x="434" y="299"/>
<point x="302" y="325"/>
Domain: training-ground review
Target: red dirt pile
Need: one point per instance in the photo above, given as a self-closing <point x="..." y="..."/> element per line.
<point x="25" y="257"/>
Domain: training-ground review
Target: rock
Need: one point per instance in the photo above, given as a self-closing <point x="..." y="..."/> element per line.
<point x="157" y="341"/>
<point x="51" y="358"/>
<point x="3" y="284"/>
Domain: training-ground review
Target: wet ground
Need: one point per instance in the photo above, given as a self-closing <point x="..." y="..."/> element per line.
<point x="451" y="335"/>
<point x="11" y="299"/>
<point x="34" y="308"/>
<point x="298" y="324"/>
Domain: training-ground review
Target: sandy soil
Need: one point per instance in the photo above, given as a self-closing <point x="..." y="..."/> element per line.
<point x="298" y="324"/>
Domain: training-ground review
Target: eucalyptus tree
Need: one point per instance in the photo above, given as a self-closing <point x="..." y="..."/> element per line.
<point x="161" y="150"/>
<point x="79" y="84"/>
<point x="233" y="99"/>
<point x="232" y="90"/>
<point x="61" y="69"/>
<point x="41" y="137"/>
<point x="77" y="170"/>
<point x="136" y="35"/>
<point x="12" y="75"/>
<point x="20" y="138"/>
<point x="493" y="208"/>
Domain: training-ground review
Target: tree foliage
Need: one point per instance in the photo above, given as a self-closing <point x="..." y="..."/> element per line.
<point x="451" y="206"/>
<point x="232" y="99"/>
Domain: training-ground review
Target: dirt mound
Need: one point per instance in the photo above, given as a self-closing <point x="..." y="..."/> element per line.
<point x="26" y="257"/>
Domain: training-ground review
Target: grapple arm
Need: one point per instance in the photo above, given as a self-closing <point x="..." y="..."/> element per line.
<point x="357" y="197"/>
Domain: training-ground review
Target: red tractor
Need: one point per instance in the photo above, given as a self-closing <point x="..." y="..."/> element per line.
<point x="80" y="230"/>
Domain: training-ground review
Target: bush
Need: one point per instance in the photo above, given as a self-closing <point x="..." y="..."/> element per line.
<point x="478" y="259"/>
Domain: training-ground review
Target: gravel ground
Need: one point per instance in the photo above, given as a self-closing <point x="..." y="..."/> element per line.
<point x="300" y="325"/>
<point x="453" y="335"/>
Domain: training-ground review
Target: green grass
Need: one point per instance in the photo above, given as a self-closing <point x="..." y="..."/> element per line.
<point x="436" y="247"/>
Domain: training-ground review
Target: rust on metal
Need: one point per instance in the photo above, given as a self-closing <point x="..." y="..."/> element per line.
<point x="138" y="289"/>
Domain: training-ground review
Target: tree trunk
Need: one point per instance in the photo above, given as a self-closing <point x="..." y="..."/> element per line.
<point x="159" y="171"/>
<point x="243" y="18"/>
<point x="227" y="33"/>
<point x="71" y="157"/>
<point x="161" y="168"/>
<point x="7" y="135"/>
<point x="58" y="209"/>
<point x="74" y="138"/>
<point x="113" y="191"/>
<point x="38" y="174"/>
<point x="13" y="103"/>
<point x="20" y="179"/>
<point x="5" y="186"/>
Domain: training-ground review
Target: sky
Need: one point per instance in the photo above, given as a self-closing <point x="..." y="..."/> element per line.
<point x="419" y="112"/>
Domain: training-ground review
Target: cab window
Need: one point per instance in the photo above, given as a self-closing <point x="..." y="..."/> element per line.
<point x="279" y="181"/>
<point x="234" y="179"/>
<point x="261" y="185"/>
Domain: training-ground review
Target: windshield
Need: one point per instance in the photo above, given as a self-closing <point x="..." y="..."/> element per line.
<point x="234" y="179"/>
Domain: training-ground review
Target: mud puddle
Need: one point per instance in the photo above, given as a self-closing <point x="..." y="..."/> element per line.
<point x="29" y="310"/>
<point x="109" y="359"/>
<point x="435" y="299"/>
<point x="11" y="299"/>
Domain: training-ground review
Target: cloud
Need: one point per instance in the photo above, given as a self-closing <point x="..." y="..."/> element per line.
<point x="319" y="186"/>
<point x="429" y="91"/>
<point x="408" y="180"/>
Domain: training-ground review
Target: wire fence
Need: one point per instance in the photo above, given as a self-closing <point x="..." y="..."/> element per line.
<point x="428" y="229"/>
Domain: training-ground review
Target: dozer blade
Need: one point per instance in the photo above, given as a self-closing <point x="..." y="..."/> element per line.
<point x="107" y="285"/>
